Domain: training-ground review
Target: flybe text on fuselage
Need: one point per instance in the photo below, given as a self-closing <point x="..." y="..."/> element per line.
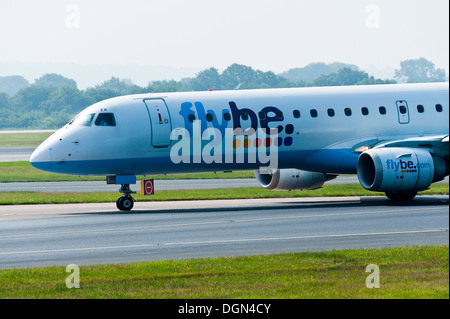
<point x="217" y="142"/>
<point x="267" y="115"/>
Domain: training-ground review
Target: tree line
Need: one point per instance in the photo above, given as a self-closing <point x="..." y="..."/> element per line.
<point x="53" y="99"/>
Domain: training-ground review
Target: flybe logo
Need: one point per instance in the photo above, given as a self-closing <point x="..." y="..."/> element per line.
<point x="236" y="135"/>
<point x="405" y="166"/>
<point x="245" y="122"/>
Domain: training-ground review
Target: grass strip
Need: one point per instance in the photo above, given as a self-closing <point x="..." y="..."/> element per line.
<point x="412" y="272"/>
<point x="23" y="172"/>
<point x="18" y="198"/>
<point x="23" y="139"/>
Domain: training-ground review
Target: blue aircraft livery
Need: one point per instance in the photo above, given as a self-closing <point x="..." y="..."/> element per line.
<point x="394" y="137"/>
<point x="268" y="114"/>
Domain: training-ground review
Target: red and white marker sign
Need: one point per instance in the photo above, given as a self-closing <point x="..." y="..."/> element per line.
<point x="147" y="187"/>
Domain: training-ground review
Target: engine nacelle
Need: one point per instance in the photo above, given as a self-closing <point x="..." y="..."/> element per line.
<point x="399" y="169"/>
<point x="291" y="179"/>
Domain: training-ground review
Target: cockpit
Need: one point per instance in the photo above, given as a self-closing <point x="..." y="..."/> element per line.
<point x="103" y="119"/>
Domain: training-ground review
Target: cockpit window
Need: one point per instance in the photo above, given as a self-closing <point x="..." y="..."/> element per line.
<point x="83" y="119"/>
<point x="105" y="119"/>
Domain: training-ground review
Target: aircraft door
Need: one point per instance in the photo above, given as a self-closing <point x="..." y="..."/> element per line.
<point x="403" y="111"/>
<point x="161" y="125"/>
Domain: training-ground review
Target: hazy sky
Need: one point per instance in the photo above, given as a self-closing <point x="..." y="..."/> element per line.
<point x="266" y="34"/>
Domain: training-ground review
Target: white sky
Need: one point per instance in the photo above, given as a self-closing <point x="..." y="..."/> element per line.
<point x="271" y="35"/>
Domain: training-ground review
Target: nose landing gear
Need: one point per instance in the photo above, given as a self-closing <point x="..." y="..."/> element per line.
<point x="126" y="202"/>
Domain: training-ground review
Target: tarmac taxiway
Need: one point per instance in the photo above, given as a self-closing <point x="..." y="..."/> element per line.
<point x="44" y="235"/>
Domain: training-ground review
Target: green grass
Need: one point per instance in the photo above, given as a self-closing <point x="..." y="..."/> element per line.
<point x="417" y="272"/>
<point x="17" y="198"/>
<point x="24" y="172"/>
<point x="22" y="139"/>
<point x="414" y="272"/>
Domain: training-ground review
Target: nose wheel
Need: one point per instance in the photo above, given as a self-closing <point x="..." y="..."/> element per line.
<point x="126" y="202"/>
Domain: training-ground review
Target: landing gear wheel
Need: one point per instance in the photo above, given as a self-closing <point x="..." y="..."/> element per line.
<point x="401" y="196"/>
<point x="119" y="202"/>
<point x="125" y="203"/>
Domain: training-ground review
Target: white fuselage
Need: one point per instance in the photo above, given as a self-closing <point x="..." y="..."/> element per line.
<point x="313" y="129"/>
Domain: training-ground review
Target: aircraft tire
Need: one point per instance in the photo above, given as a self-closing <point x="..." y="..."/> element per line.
<point x="125" y="203"/>
<point x="401" y="196"/>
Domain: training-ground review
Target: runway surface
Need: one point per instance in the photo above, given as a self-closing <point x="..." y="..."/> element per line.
<point x="101" y="186"/>
<point x="42" y="235"/>
<point x="160" y="185"/>
<point x="14" y="154"/>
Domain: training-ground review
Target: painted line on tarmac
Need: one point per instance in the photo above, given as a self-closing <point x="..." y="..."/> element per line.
<point x="308" y="237"/>
<point x="213" y="222"/>
<point x="223" y="241"/>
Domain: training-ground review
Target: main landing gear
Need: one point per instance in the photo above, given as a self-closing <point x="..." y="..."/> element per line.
<point x="126" y="202"/>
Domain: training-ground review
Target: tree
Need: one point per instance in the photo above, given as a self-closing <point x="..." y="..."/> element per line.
<point x="55" y="80"/>
<point x="237" y="74"/>
<point x="121" y="87"/>
<point x="345" y="76"/>
<point x="313" y="71"/>
<point x="207" y="79"/>
<point x="13" y="84"/>
<point x="371" y="81"/>
<point x="4" y="101"/>
<point x="31" y="98"/>
<point x="166" y="86"/>
<point x="66" y="98"/>
<point x="247" y="78"/>
<point x="99" y="94"/>
<point x="419" y="71"/>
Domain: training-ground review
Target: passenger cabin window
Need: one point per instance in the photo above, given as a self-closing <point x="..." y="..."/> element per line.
<point x="227" y="116"/>
<point x="402" y="109"/>
<point x="382" y="110"/>
<point x="365" y="111"/>
<point x="313" y="113"/>
<point x="105" y="119"/>
<point x="84" y="119"/>
<point x="348" y="111"/>
<point x="330" y="112"/>
<point x="191" y="118"/>
<point x="209" y="117"/>
<point x="438" y="107"/>
<point x="296" y="114"/>
<point x="420" y="108"/>
<point x="244" y="116"/>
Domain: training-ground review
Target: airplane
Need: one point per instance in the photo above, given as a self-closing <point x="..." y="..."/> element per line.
<point x="395" y="137"/>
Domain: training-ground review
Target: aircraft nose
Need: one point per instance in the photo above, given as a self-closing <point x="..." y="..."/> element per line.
<point x="41" y="158"/>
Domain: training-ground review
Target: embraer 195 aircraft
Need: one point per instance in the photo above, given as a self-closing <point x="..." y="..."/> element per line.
<point x="395" y="137"/>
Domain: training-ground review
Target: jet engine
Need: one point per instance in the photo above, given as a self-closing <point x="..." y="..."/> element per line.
<point x="399" y="170"/>
<point x="291" y="179"/>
